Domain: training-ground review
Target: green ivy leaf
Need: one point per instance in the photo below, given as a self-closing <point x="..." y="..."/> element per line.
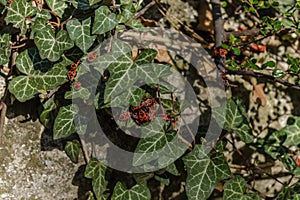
<point x="80" y="33"/>
<point x="127" y="13"/>
<point x="146" y="56"/>
<point x="72" y="149"/>
<point x="93" y="2"/>
<point x="96" y="171"/>
<point x="137" y="192"/>
<point x="235" y="120"/>
<point x="43" y="14"/>
<point x="124" y="73"/>
<point x="3" y="2"/>
<point x="172" y="169"/>
<point x="289" y="192"/>
<point x="57" y="6"/>
<point x="40" y="75"/>
<point x="39" y="24"/>
<point x="119" y="62"/>
<point x="4" y="48"/>
<point x="63" y="124"/>
<point x="231" y="38"/>
<point x="277" y="25"/>
<point x="292" y="132"/>
<point x="52" y="46"/>
<point x="236" y="189"/>
<point x="294" y="63"/>
<point x="131" y="96"/>
<point x="204" y="172"/>
<point x="82" y="93"/>
<point x="236" y="51"/>
<point x="18" y="12"/>
<point x="158" y="144"/>
<point x="136" y="25"/>
<point x="104" y="20"/>
<point x="268" y="64"/>
<point x="225" y="46"/>
<point x="47" y="115"/>
<point x="278" y="73"/>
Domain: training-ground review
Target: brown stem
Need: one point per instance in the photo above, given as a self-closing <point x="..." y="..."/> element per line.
<point x="3" y="108"/>
<point x="262" y="75"/>
<point x="85" y="151"/>
<point x="142" y="11"/>
<point x="218" y="22"/>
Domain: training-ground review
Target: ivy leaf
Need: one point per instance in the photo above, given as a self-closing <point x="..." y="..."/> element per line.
<point x="127" y="13"/>
<point x="17" y="14"/>
<point x="39" y="24"/>
<point x="63" y="124"/>
<point x="268" y="64"/>
<point x="172" y="169"/>
<point x="290" y="192"/>
<point x="80" y="33"/>
<point x="40" y="75"/>
<point x="3" y="2"/>
<point x="204" y="172"/>
<point x="4" y="48"/>
<point x="236" y="51"/>
<point x="146" y="56"/>
<point x="43" y="14"/>
<point x="72" y="149"/>
<point x="137" y="192"/>
<point x="278" y="73"/>
<point x="57" y="6"/>
<point x="104" y="20"/>
<point x="96" y="171"/>
<point x="136" y="25"/>
<point x="235" y="119"/>
<point x="47" y="116"/>
<point x="52" y="46"/>
<point x="120" y="65"/>
<point x="236" y="189"/>
<point x="93" y="2"/>
<point x="292" y="132"/>
<point x="132" y="96"/>
<point x="82" y="93"/>
<point x="163" y="146"/>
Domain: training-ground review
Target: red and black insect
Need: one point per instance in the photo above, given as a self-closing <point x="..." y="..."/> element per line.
<point x="220" y="52"/>
<point x="145" y="112"/>
<point x="92" y="57"/>
<point x="77" y="85"/>
<point x="72" y="71"/>
<point x="260" y="48"/>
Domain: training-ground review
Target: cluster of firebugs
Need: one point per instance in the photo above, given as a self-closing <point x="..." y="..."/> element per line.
<point x="145" y="112"/>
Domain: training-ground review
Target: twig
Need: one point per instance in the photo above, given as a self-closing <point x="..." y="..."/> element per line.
<point x="19" y="46"/>
<point x="85" y="151"/>
<point x="3" y="108"/>
<point x="142" y="11"/>
<point x="219" y="30"/>
<point x="262" y="75"/>
<point x="187" y="143"/>
<point x="218" y="22"/>
<point x="48" y="95"/>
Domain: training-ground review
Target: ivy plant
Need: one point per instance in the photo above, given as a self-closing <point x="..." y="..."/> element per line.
<point x="69" y="57"/>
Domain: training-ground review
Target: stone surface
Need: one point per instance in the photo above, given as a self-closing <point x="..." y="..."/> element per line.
<point x="28" y="172"/>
